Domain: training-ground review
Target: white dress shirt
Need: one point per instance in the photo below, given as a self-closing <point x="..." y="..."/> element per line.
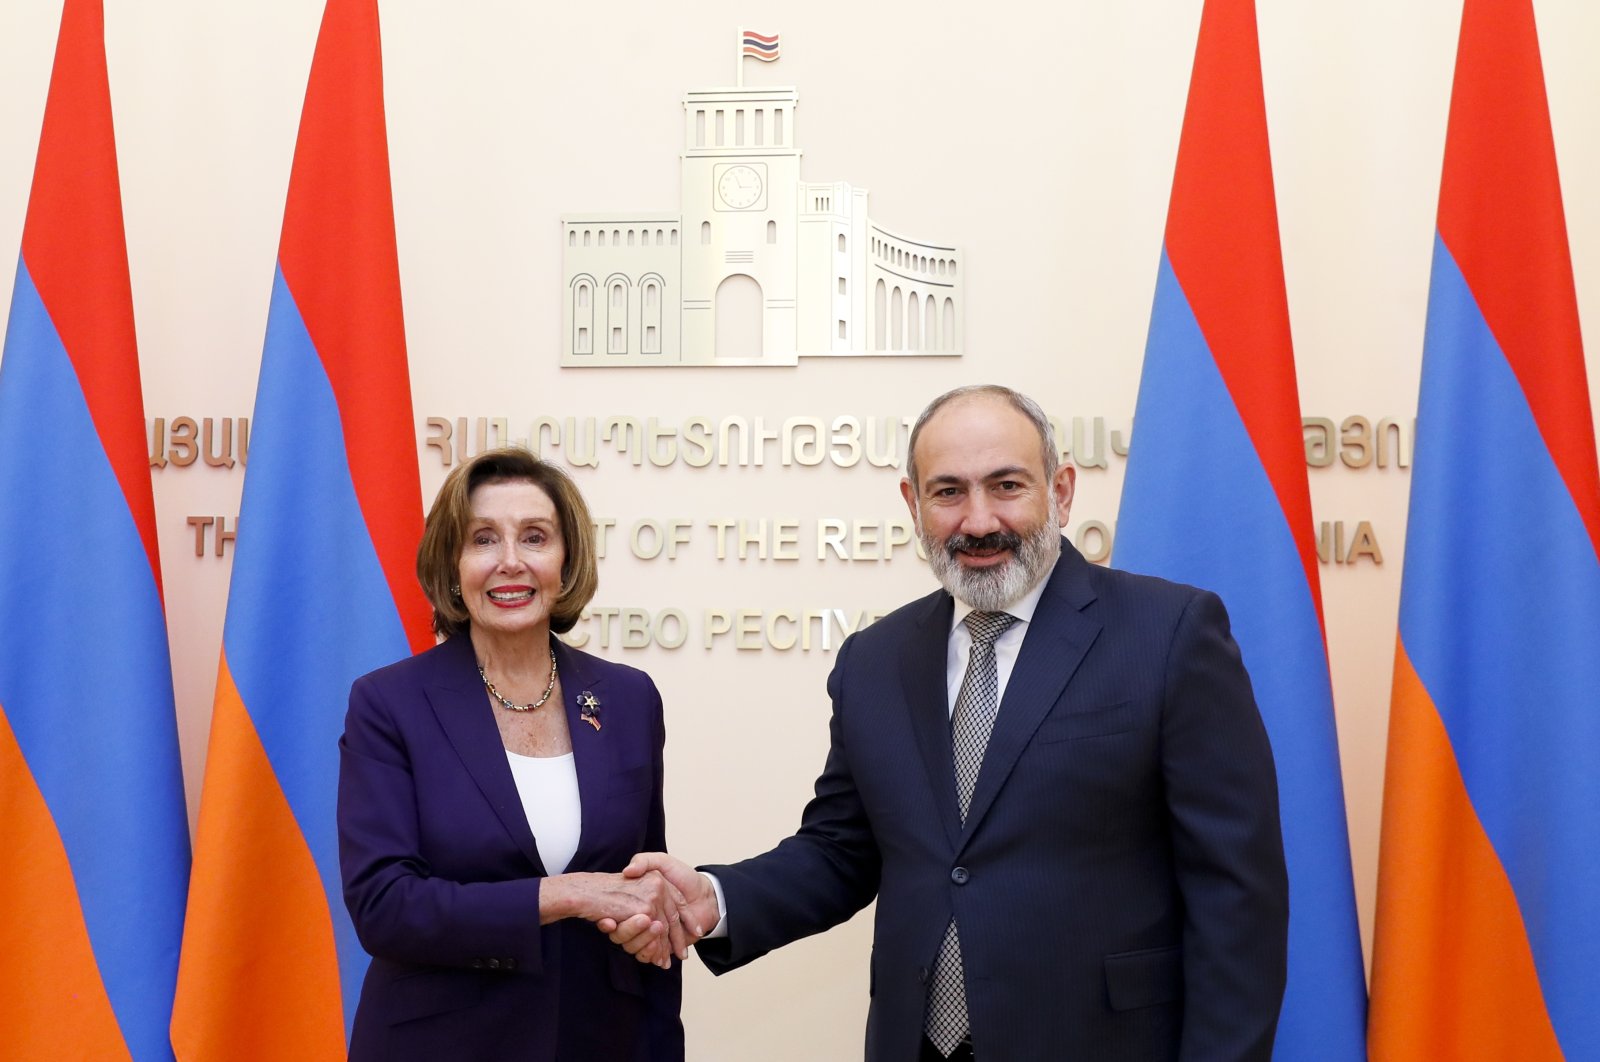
<point x="1006" y="647"/>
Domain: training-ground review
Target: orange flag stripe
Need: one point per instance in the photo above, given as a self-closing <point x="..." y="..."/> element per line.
<point x="50" y="982"/>
<point x="1452" y="973"/>
<point x="248" y="844"/>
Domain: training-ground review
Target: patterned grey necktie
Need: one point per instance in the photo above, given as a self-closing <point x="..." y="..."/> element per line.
<point x="971" y="723"/>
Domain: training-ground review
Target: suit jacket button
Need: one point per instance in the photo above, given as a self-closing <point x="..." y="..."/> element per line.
<point x="477" y="964"/>
<point x="494" y="964"/>
<point x="923" y="974"/>
<point x="960" y="875"/>
<point x="508" y="964"/>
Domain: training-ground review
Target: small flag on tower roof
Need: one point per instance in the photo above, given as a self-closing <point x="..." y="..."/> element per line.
<point x="760" y="46"/>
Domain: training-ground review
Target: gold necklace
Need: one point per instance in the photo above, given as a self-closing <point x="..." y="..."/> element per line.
<point x="507" y="702"/>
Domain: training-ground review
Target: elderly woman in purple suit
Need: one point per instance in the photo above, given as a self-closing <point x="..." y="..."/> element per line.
<point x="492" y="789"/>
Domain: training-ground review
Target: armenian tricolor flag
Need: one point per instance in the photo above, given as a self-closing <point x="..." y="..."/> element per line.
<point x="759" y="46"/>
<point x="1216" y="496"/>
<point x="322" y="591"/>
<point x="92" y="816"/>
<point x="1488" y="920"/>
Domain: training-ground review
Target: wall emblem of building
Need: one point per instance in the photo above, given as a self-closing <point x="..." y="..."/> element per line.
<point x="757" y="266"/>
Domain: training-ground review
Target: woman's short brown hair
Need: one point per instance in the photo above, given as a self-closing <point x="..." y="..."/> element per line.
<point x="439" y="555"/>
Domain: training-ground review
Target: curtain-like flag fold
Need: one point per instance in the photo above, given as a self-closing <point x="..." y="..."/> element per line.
<point x="322" y="590"/>
<point x="1489" y="862"/>
<point x="91" y="790"/>
<point x="1216" y="496"/>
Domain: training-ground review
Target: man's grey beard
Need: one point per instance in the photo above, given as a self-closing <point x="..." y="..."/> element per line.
<point x="996" y="588"/>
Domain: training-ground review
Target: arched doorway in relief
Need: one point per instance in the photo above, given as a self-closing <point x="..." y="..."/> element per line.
<point x="738" y="308"/>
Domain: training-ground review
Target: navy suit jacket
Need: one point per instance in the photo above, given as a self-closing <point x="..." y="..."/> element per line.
<point x="441" y="873"/>
<point x="1119" y="882"/>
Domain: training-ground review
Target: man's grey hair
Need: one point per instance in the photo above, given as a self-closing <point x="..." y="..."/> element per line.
<point x="1019" y="401"/>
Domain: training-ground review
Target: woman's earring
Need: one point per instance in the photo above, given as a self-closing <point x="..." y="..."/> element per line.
<point x="455" y="591"/>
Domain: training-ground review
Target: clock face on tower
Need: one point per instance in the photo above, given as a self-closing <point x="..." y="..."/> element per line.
<point x="740" y="187"/>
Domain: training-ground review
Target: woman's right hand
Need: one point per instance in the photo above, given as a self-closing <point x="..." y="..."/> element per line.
<point x="618" y="899"/>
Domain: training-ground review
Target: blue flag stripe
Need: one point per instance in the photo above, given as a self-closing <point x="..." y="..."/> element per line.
<point x="85" y="675"/>
<point x="1517" y="678"/>
<point x="302" y="539"/>
<point x="1197" y="507"/>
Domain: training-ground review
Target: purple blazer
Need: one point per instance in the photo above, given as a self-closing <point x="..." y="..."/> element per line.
<point x="441" y="874"/>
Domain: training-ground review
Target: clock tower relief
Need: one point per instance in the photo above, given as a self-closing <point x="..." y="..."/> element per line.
<point x="756" y="266"/>
<point x="741" y="175"/>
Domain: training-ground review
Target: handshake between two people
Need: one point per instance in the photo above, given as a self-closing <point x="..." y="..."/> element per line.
<point x="654" y="910"/>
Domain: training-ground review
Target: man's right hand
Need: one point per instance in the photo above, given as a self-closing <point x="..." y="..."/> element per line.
<point x="698" y="915"/>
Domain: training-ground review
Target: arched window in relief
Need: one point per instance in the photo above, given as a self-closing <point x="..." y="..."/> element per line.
<point x="930" y="324"/>
<point x="660" y="237"/>
<point x="705" y="232"/>
<point x="913" y="322"/>
<point x="617" y="318"/>
<point x="650" y="316"/>
<point x="601" y="238"/>
<point x="880" y="314"/>
<point x="572" y="237"/>
<point x="586" y="237"/>
<point x="583" y="316"/>
<point x="630" y="237"/>
<point x="673" y="237"/>
<point x="772" y="231"/>
<point x="897" y="320"/>
<point x="952" y="267"/>
<point x="949" y="331"/>
<point x="841" y="243"/>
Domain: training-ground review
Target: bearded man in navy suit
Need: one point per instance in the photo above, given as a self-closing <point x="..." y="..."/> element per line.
<point x="1094" y="870"/>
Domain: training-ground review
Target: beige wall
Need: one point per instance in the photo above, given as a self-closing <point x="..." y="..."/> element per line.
<point x="1041" y="141"/>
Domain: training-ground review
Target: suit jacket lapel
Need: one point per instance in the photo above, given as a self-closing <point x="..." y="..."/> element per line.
<point x="592" y="753"/>
<point x="458" y="700"/>
<point x="1057" y="638"/>
<point x="922" y="673"/>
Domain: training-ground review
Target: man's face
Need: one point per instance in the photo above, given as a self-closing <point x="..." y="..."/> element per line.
<point x="988" y="517"/>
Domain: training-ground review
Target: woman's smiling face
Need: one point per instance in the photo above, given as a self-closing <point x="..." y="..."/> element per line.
<point x="511" y="559"/>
